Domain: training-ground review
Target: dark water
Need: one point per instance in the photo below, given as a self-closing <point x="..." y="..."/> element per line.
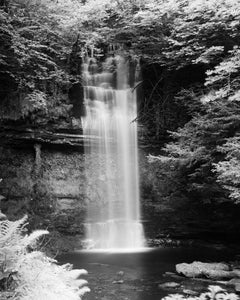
<point x="136" y="276"/>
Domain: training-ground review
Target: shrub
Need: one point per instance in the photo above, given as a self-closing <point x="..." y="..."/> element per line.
<point x="29" y="274"/>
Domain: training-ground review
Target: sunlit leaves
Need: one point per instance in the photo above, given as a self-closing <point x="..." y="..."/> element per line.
<point x="223" y="80"/>
<point x="228" y="170"/>
<point x="210" y="55"/>
<point x="34" y="52"/>
<point x="223" y="72"/>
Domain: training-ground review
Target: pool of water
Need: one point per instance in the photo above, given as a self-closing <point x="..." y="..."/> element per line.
<point x="138" y="276"/>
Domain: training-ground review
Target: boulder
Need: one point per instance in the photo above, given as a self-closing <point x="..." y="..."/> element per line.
<point x="169" y="285"/>
<point x="209" y="270"/>
<point x="236" y="273"/>
<point x="236" y="283"/>
<point x="218" y="274"/>
<point x="118" y="281"/>
<point x="190" y="292"/>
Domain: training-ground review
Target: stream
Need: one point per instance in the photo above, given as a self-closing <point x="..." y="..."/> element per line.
<point x="140" y="275"/>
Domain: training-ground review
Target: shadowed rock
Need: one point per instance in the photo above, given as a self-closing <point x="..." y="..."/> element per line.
<point x="210" y="270"/>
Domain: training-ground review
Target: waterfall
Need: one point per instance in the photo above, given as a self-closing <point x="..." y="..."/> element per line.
<point x="111" y="155"/>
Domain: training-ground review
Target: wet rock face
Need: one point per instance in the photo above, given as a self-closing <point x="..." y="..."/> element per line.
<point x="47" y="185"/>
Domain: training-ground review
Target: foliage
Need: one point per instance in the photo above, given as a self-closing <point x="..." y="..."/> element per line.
<point x="39" y="36"/>
<point x="199" y="147"/>
<point x="228" y="170"/>
<point x="170" y="32"/>
<point x="203" y="143"/>
<point x="223" y="80"/>
<point x="32" y="58"/>
<point x="183" y="38"/>
<point x="29" y="273"/>
<point x="190" y="50"/>
<point x="214" y="292"/>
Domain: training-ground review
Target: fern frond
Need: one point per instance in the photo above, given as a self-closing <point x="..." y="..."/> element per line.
<point x="74" y="274"/>
<point x="36" y="276"/>
<point x="80" y="282"/>
<point x="83" y="291"/>
<point x="31" y="239"/>
<point x="9" y="230"/>
<point x="7" y="226"/>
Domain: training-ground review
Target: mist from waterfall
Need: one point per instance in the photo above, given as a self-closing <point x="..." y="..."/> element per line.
<point x="111" y="150"/>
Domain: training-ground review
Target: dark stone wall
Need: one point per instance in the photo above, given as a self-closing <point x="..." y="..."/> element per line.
<point x="49" y="186"/>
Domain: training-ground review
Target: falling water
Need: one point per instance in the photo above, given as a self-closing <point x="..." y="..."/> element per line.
<point x="110" y="130"/>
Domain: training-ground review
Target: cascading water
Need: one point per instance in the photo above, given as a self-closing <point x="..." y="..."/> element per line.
<point x="110" y="131"/>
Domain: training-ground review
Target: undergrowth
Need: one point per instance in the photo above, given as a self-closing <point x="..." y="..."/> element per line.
<point x="27" y="274"/>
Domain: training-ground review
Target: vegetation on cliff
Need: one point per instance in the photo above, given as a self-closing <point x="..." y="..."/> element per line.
<point x="190" y="58"/>
<point x="189" y="53"/>
<point x="35" y="50"/>
<point x="207" y="145"/>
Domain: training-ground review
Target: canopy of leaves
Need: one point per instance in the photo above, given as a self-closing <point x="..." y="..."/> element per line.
<point x="198" y="40"/>
<point x="228" y="170"/>
<point x="209" y="142"/>
<point x="174" y="33"/>
<point x="33" y="57"/>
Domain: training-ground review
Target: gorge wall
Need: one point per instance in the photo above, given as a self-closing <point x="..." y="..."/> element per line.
<point x="42" y="162"/>
<point x="48" y="185"/>
<point x="47" y="182"/>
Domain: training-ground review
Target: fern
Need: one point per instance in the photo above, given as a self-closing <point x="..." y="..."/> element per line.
<point x="10" y="232"/>
<point x="40" y="278"/>
<point x="32" y="238"/>
<point x="33" y="274"/>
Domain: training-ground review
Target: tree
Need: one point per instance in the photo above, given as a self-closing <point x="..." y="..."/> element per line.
<point x="34" y="54"/>
<point x="208" y="144"/>
<point x="228" y="170"/>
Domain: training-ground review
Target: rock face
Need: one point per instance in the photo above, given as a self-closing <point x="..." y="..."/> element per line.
<point x="46" y="183"/>
<point x="213" y="271"/>
<point x="43" y="175"/>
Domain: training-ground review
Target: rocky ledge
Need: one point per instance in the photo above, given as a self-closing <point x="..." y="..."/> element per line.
<point x="224" y="273"/>
<point x="22" y="136"/>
